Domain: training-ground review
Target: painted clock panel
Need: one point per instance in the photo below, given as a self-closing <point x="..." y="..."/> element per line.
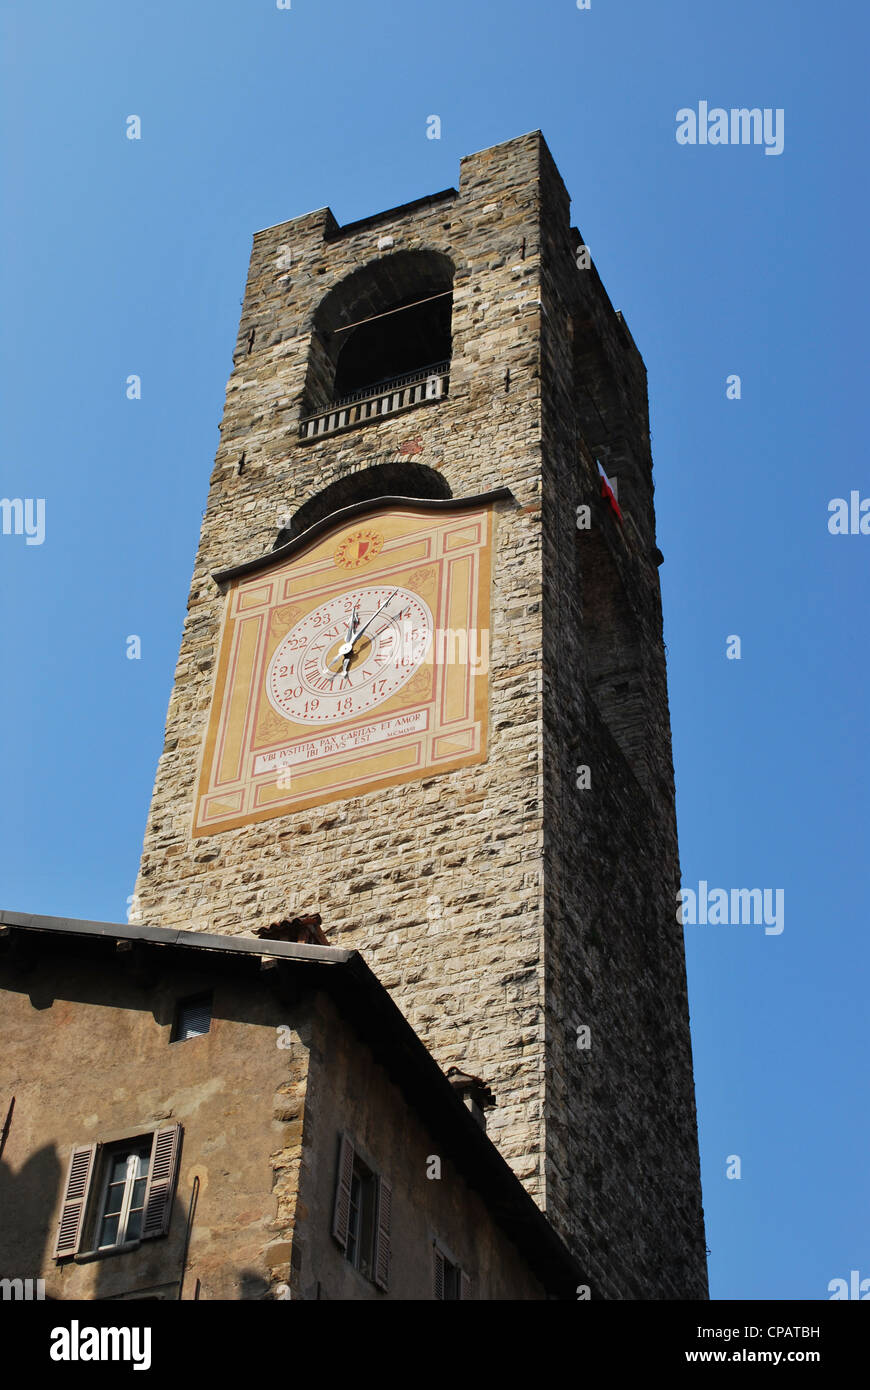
<point x="357" y="663"/>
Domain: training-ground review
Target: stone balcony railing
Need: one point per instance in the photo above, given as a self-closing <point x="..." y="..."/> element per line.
<point x="375" y="402"/>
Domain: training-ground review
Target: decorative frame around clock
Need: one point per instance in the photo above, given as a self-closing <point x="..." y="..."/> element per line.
<point x="257" y="764"/>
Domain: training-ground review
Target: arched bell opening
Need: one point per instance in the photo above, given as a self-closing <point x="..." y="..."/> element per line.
<point x="388" y="323"/>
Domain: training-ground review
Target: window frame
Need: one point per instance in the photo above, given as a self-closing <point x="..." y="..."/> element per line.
<point x="143" y="1148"/>
<point x="362" y="1233"/>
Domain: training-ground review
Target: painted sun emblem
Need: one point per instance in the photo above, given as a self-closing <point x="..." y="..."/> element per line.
<point x="358" y="548"/>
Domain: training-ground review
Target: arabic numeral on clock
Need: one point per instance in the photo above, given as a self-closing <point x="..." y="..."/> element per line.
<point x="285" y="671"/>
<point x="345" y="706"/>
<point x="311" y="706"/>
<point x="378" y="687"/>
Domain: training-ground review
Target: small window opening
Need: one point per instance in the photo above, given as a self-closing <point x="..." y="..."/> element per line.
<point x="192" y="1018"/>
<point x="452" y="1284"/>
<point x="361" y="1222"/>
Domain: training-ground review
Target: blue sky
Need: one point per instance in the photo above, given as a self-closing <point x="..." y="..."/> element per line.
<point x="124" y="257"/>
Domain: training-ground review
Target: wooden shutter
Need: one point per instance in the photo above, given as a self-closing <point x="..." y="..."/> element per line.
<point x="437" y="1272"/>
<point x="161" y="1181"/>
<point x="382" y="1235"/>
<point x="464" y="1284"/>
<point x="341" y="1210"/>
<point x="75" y="1200"/>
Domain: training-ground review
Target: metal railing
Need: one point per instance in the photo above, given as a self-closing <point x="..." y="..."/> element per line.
<point x="380" y="399"/>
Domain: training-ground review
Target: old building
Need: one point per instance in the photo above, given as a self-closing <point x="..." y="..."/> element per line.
<point x="422" y="689"/>
<point x="224" y="1118"/>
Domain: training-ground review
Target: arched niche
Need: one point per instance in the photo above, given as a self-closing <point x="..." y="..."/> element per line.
<point x="399" y="479"/>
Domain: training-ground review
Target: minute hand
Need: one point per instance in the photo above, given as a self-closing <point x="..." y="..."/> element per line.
<point x="358" y="635"/>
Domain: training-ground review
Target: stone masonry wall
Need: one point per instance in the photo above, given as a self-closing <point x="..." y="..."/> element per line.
<point x="622" y="1178"/>
<point x="445" y="897"/>
<point x="498" y="906"/>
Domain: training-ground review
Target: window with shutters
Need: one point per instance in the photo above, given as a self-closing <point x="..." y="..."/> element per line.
<point x="362" y="1215"/>
<point x="118" y="1194"/>
<point x="449" y="1279"/>
<point x="192" y="1018"/>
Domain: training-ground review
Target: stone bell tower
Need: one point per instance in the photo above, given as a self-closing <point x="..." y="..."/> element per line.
<point x="421" y="407"/>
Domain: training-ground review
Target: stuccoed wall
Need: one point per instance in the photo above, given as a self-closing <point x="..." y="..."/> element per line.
<point x="90" y="1061"/>
<point x="349" y="1091"/>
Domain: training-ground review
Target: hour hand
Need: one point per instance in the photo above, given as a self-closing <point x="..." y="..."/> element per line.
<point x="345" y="651"/>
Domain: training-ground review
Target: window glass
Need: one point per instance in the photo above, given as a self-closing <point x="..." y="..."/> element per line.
<point x="124" y="1194"/>
<point x="361" y="1220"/>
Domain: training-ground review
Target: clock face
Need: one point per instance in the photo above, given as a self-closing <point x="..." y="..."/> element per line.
<point x="350" y="664"/>
<point x="322" y="673"/>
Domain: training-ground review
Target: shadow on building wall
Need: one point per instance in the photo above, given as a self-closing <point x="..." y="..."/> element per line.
<point x="27" y="1207"/>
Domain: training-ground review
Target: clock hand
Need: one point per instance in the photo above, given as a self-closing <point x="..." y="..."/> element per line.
<point x="386" y="625"/>
<point x="354" y="632"/>
<point x="350" y="638"/>
<point x="374" y="615"/>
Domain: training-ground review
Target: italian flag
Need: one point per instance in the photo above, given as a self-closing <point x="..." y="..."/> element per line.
<point x="608" y="493"/>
